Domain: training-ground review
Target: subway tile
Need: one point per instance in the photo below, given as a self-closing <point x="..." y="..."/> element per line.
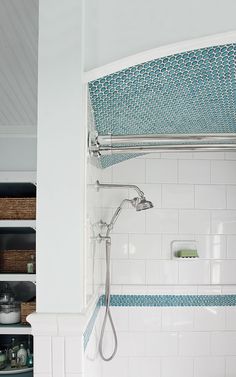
<point x="128" y="272"/>
<point x="161" y="171"/>
<point x="223" y="222"/>
<point x="223" y="343"/>
<point x="143" y="367"/>
<point x="172" y="289"/>
<point x="231" y="197"/>
<point x="162" y="344"/>
<point x="209" y="318"/>
<point x="223" y="172"/>
<point x="230" y="367"/>
<point x="177" y="156"/>
<point x="43" y="354"/>
<point x="116" y="367"/>
<point x="132" y="344"/>
<point x="194" y="272"/>
<point x="120" y="246"/>
<point x="194" y="344"/>
<point x="177" y="367"/>
<point x="73" y="355"/>
<point x="230" y="318"/>
<point x="177" y="196"/>
<point x="209" y="367"/>
<point x="177" y="319"/>
<point x="210" y="197"/>
<point x="129" y="171"/>
<point x="194" y="171"/>
<point x="223" y="272"/>
<point x="120" y="317"/>
<point x="144" y="319"/>
<point x="162" y="272"/>
<point x="58" y="351"/>
<point x="112" y="198"/>
<point x="194" y="221"/>
<point x="162" y="221"/>
<point x="211" y="247"/>
<point x="144" y="246"/>
<point x="230" y="155"/>
<point x="208" y="155"/>
<point x="231" y="247"/>
<point x="130" y="221"/>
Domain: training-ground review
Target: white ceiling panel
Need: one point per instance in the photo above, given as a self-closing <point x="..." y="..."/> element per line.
<point x="18" y="63"/>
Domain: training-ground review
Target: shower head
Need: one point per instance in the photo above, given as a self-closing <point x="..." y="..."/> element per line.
<point x="141" y="204"/>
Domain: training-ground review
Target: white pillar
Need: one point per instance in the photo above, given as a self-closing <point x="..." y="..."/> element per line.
<point x="61" y="158"/>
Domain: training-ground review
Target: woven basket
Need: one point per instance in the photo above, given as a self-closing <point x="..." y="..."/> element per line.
<point x="26" y="309"/>
<point x="15" y="261"/>
<point x="17" y="208"/>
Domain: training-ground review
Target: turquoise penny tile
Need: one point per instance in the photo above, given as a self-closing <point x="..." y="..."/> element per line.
<point x="189" y="92"/>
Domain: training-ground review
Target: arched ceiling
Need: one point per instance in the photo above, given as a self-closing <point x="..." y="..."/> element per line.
<point x="190" y="92"/>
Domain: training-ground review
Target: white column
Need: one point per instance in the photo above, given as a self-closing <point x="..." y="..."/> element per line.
<point x="61" y="158"/>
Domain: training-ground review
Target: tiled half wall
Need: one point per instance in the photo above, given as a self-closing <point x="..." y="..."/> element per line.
<point x="166" y="336"/>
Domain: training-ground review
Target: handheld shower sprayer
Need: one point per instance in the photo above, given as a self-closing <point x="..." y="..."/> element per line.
<point x="140" y="203"/>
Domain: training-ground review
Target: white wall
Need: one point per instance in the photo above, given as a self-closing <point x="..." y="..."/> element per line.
<point x="177" y="341"/>
<point x="117" y="29"/>
<point x="18" y="154"/>
<point x="194" y="199"/>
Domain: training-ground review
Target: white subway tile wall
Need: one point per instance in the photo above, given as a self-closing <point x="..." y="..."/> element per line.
<point x="194" y="195"/>
<point x="172" y="341"/>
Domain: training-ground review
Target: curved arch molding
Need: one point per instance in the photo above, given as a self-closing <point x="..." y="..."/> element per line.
<point x="190" y="91"/>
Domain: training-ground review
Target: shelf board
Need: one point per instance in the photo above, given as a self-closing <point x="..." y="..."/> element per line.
<point x="15" y="329"/>
<point x="18" y="277"/>
<point x="18" y="224"/>
<point x="18" y="176"/>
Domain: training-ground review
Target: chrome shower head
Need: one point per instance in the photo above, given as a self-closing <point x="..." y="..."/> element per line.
<point x="144" y="204"/>
<point x="141" y="204"/>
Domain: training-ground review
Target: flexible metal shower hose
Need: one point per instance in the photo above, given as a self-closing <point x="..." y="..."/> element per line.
<point x="107" y="315"/>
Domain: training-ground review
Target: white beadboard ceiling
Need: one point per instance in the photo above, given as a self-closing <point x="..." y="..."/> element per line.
<point x="18" y="66"/>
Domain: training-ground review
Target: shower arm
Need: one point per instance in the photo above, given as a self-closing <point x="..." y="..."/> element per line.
<point x="99" y="185"/>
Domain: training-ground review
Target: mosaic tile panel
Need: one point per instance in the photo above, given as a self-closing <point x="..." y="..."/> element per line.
<point x="171" y="300"/>
<point x="91" y="323"/>
<point x="190" y="92"/>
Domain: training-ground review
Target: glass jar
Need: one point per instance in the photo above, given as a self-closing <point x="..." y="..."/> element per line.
<point x="10" y="313"/>
<point x="3" y="359"/>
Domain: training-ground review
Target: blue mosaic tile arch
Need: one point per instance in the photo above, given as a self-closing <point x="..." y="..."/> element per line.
<point x="189" y="92"/>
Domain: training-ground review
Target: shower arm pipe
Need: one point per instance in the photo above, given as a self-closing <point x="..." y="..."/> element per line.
<point x="164" y="138"/>
<point x="99" y="185"/>
<point x="111" y="150"/>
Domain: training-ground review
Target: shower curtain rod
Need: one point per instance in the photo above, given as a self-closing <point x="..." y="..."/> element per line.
<point x="127" y="139"/>
<point x="107" y="144"/>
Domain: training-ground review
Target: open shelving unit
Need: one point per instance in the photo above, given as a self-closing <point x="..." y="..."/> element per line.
<point x="20" y="227"/>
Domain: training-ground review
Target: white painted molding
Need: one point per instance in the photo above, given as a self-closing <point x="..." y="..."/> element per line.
<point x="193" y="44"/>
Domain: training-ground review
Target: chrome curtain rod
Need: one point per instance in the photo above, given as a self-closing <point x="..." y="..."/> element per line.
<point x="127" y="139"/>
<point x="107" y="144"/>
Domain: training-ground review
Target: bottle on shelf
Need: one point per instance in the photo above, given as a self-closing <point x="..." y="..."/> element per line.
<point x="22" y="356"/>
<point x="14" y="359"/>
<point x="31" y="265"/>
<point x="3" y="359"/>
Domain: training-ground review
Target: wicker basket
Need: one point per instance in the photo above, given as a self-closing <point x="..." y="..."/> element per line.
<point x="26" y="309"/>
<point x="15" y="261"/>
<point x="17" y="208"/>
